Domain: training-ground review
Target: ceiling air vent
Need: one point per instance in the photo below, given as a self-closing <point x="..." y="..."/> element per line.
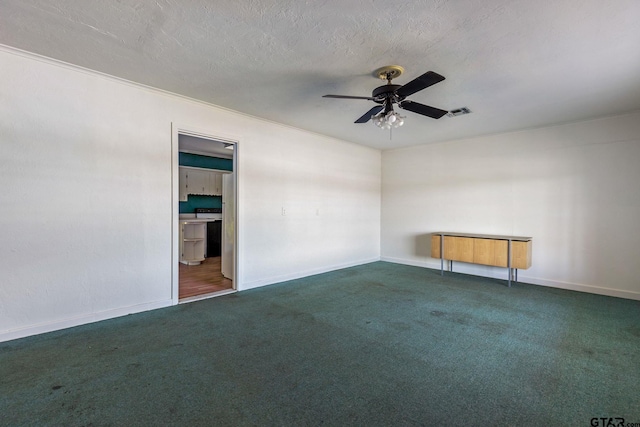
<point x="458" y="112"/>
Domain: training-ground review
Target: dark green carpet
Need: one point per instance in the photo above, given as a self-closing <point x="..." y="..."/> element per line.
<point x="379" y="344"/>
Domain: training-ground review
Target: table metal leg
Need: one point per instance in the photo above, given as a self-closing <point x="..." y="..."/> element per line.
<point x="509" y="262"/>
<point x="441" y="255"/>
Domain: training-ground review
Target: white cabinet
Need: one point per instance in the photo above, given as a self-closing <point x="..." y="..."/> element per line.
<point x="215" y="181"/>
<point x="182" y="184"/>
<point x="192" y="242"/>
<point x="199" y="181"/>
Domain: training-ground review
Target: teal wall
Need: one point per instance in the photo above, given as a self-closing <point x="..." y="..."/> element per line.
<point x="197" y="201"/>
<point x="195" y="160"/>
<point x="198" y="161"/>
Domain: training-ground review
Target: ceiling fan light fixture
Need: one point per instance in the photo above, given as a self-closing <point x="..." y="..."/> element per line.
<point x="388" y="120"/>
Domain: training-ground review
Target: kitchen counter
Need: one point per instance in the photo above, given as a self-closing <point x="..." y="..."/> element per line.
<point x="191" y="218"/>
<point x="196" y="220"/>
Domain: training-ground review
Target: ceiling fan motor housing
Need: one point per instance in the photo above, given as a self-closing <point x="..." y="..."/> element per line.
<point x="383" y="92"/>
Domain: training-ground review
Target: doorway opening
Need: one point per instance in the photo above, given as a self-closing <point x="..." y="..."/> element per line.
<point x="204" y="255"/>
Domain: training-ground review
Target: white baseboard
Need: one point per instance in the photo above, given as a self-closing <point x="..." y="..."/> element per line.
<point x="81" y="320"/>
<point x="412" y="262"/>
<point x="301" y="274"/>
<point x="500" y="273"/>
<point x="619" y="293"/>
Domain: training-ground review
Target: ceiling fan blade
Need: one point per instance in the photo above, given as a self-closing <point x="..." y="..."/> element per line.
<point x="367" y="116"/>
<point x="348" y="97"/>
<point x="424" y="81"/>
<point x="425" y="110"/>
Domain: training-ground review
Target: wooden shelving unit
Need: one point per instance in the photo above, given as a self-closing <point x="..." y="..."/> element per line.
<point x="192" y="242"/>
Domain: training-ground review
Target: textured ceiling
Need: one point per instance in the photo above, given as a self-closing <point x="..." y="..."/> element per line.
<point x="515" y="64"/>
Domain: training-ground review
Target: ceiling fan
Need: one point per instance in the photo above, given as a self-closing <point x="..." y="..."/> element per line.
<point x="388" y="95"/>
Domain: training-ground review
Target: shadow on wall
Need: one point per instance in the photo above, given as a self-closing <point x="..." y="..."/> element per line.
<point x="423" y="245"/>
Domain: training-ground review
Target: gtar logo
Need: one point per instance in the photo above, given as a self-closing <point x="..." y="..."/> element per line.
<point x="607" y="422"/>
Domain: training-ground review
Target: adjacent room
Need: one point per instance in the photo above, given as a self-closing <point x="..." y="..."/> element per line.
<point x="341" y="213"/>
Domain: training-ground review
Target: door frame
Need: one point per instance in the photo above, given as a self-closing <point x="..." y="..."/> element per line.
<point x="181" y="129"/>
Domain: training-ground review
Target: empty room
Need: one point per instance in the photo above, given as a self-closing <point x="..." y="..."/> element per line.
<point x="320" y="213"/>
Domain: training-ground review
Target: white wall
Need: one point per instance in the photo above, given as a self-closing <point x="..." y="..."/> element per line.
<point x="86" y="214"/>
<point x="573" y="188"/>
